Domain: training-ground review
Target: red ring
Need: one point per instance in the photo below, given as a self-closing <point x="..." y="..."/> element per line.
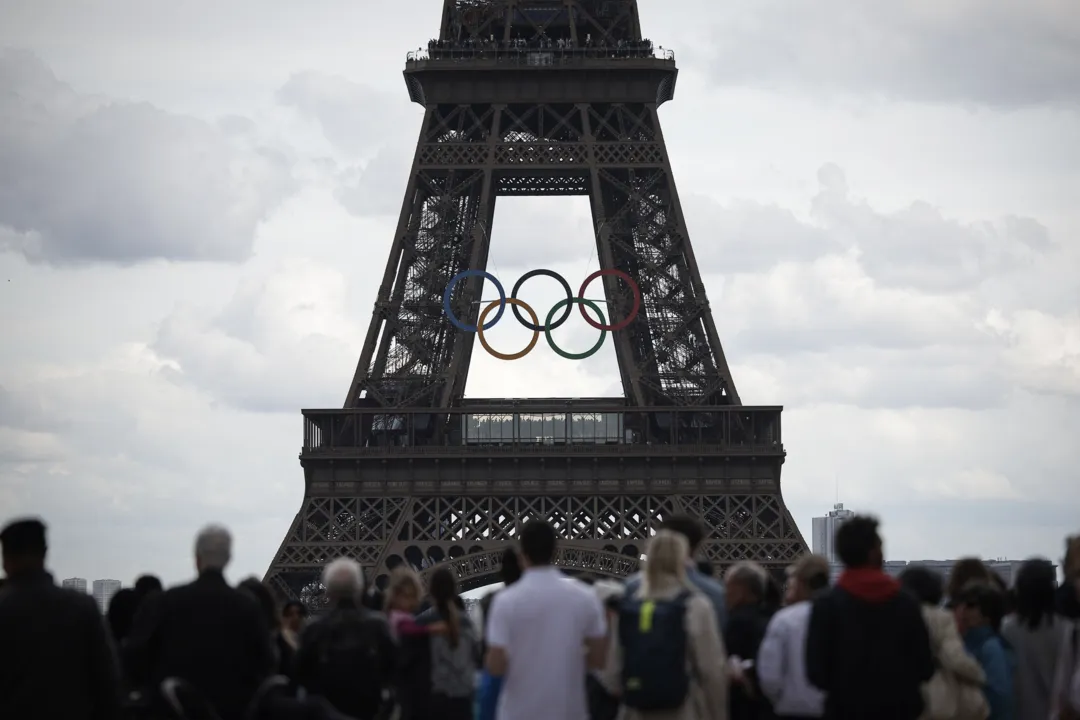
<point x="633" y="311"/>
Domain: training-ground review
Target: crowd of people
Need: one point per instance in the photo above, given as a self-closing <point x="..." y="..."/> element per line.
<point x="671" y="643"/>
<point x="471" y="47"/>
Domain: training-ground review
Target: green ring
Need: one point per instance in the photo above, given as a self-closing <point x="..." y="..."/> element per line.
<point x="571" y="301"/>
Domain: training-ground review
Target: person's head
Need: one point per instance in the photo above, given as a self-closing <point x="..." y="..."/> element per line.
<point x="689" y="527"/>
<point x="293" y="615"/>
<point x="923" y="584"/>
<point x="858" y="543"/>
<point x="511" y="566"/>
<point x="964" y="571"/>
<point x="1036" y="589"/>
<point x="443" y="587"/>
<point x="343" y="580"/>
<point x="665" y="561"/>
<point x="538" y="541"/>
<point x="808" y="576"/>
<point x="147" y="585"/>
<point x="744" y="583"/>
<point x="213" y="549"/>
<point x="122" y="608"/>
<point x="1071" y="563"/>
<point x="262" y="595"/>
<point x="977" y="604"/>
<point x="404" y="591"/>
<point x="24" y="546"/>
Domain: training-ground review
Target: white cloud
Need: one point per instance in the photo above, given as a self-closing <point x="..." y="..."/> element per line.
<point x="89" y="179"/>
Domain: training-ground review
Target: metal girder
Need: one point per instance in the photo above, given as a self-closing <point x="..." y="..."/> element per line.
<point x="601" y="534"/>
<point x="545" y="97"/>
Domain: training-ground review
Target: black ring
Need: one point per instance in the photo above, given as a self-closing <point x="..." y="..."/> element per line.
<point x="547" y="273"/>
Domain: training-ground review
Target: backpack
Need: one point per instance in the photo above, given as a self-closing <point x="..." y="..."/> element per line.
<point x="655" y="648"/>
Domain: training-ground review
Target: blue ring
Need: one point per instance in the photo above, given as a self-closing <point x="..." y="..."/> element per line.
<point x="450" y="289"/>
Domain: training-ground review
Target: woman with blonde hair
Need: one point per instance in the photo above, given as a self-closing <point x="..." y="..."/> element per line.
<point x="669" y="661"/>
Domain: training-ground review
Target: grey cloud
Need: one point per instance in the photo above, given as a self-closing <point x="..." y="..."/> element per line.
<point x="744" y="236"/>
<point x="1001" y="53"/>
<point x="87" y="179"/>
<point x="379" y="186"/>
<point x="919" y="247"/>
<point x="19" y="411"/>
<point x="355" y="118"/>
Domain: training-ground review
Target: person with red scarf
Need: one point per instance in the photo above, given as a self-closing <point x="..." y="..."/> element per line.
<point x="867" y="646"/>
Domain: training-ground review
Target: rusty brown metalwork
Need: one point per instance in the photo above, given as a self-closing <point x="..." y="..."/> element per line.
<point x="549" y="97"/>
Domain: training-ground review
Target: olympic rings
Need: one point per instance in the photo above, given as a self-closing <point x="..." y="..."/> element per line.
<point x="548" y="327"/>
<point x="450" y="289"/>
<point x="514" y="302"/>
<point x="633" y="311"/>
<point x="550" y="322"/>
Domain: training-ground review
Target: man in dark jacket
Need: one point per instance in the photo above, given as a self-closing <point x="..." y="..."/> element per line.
<point x="347" y="657"/>
<point x="207" y="633"/>
<point x="867" y="647"/>
<point x="56" y="658"/>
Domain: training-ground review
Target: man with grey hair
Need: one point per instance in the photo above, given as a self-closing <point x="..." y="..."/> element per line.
<point x="747" y="620"/>
<point x="206" y="632"/>
<point x="347" y="657"/>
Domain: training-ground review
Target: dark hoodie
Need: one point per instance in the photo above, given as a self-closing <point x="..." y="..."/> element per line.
<point x="868" y="649"/>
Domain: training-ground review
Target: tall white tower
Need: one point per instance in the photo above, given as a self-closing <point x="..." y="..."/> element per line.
<point x="824" y="531"/>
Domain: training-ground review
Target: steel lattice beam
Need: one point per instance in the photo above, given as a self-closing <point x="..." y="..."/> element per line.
<point x="545" y="97"/>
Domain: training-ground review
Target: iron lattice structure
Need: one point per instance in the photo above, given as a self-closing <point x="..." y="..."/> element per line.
<point x="546" y="97"/>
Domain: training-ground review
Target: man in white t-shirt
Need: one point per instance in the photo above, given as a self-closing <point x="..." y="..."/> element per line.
<point x="544" y="634"/>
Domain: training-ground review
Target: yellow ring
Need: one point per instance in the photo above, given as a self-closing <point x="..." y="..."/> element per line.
<point x="508" y="356"/>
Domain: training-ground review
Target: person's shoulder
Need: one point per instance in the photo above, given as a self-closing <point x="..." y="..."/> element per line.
<point x="79" y="602"/>
<point x="791" y="614"/>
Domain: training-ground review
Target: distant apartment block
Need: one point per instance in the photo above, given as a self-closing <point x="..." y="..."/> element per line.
<point x="104" y="591"/>
<point x="75" y="584"/>
<point x="825" y="531"/>
<point x="1006" y="569"/>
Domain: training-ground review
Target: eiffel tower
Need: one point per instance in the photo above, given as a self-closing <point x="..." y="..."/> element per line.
<point x="536" y="97"/>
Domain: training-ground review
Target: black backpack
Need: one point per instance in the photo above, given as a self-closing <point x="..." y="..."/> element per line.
<point x="652" y="634"/>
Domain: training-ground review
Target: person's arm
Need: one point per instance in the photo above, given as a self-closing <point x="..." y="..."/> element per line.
<point x="595" y="633"/>
<point x="104" y="670"/>
<point x="818" y="640"/>
<point x="771" y="663"/>
<point x="998" y="687"/>
<point x="497" y="658"/>
<point x="305" y="662"/>
<point x="708" y="655"/>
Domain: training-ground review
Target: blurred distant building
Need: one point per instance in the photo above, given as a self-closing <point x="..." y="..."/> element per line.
<point x="1007" y="569"/>
<point x="824" y="531"/>
<point x="75" y="584"/>
<point x="104" y="591"/>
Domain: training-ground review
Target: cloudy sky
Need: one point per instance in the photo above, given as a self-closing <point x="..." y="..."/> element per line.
<point x="196" y="200"/>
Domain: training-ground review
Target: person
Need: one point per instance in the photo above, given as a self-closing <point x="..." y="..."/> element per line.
<point x="121" y="613"/>
<point x="678" y="648"/>
<point x="867" y="647"/>
<point x="293" y="615"/>
<point x="745" y="586"/>
<point x="781" y="667"/>
<point x="964" y="571"/>
<point x="455" y="654"/>
<point x="1036" y="635"/>
<point x="955" y="690"/>
<point x="487" y="697"/>
<point x="1065" y="697"/>
<point x="1067" y="601"/>
<point x="694" y="531"/>
<point x="347" y="657"/>
<point x="979" y="608"/>
<point x="284" y="653"/>
<point x="543" y="634"/>
<point x="57" y="659"/>
<point x="211" y="635"/>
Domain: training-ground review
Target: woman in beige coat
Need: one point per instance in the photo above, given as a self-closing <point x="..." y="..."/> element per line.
<point x="664" y="578"/>
<point x="955" y="691"/>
